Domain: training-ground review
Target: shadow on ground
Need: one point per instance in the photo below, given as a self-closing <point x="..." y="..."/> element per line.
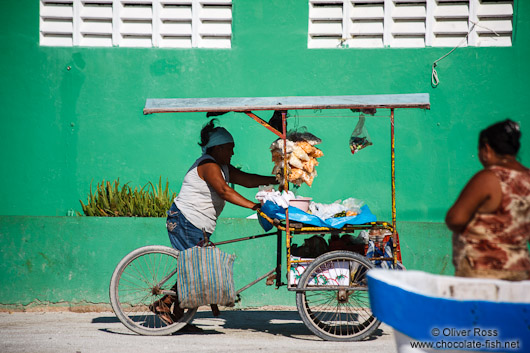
<point x="285" y="323"/>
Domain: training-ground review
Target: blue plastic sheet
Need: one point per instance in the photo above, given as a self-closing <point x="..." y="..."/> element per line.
<point x="297" y="215"/>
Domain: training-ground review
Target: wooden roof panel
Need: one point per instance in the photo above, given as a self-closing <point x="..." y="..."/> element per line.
<point x="243" y="104"/>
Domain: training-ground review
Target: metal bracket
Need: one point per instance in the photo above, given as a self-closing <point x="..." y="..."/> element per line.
<point x="265" y="124"/>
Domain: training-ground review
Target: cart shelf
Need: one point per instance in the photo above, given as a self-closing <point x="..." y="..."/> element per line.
<point x="301" y="228"/>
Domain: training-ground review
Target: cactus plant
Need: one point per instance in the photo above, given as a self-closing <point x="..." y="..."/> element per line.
<point x="111" y="200"/>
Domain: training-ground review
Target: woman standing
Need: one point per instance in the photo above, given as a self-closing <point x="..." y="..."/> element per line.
<point x="205" y="189"/>
<point x="202" y="197"/>
<point x="491" y="217"/>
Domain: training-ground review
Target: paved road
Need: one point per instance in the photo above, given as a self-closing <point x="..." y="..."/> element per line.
<point x="234" y="331"/>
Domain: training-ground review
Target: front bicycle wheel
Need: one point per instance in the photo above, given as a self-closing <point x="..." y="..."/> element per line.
<point x="141" y="278"/>
<point x="333" y="297"/>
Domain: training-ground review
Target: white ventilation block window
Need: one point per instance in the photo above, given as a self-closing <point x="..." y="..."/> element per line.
<point x="136" y="23"/>
<point x="56" y="23"/>
<point x="409" y="23"/>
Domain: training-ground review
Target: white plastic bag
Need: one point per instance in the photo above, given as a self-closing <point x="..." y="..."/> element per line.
<point x="353" y="205"/>
<point x="347" y="208"/>
<point x="325" y="211"/>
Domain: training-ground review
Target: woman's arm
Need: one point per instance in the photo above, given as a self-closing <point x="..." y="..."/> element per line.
<point x="249" y="180"/>
<point x="212" y="174"/>
<point x="481" y="194"/>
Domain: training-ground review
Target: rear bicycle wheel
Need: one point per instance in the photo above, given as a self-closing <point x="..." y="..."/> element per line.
<point x="333" y="299"/>
<point x="138" y="281"/>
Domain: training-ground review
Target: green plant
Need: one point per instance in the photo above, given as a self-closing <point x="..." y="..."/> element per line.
<point x="109" y="200"/>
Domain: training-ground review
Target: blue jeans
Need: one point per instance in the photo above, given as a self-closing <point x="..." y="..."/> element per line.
<point x="182" y="234"/>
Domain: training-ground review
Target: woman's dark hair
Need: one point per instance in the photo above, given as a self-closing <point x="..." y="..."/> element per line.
<point x="206" y="131"/>
<point x="503" y="137"/>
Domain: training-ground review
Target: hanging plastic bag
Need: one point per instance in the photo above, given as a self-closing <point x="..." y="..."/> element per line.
<point x="359" y="138"/>
<point x="301" y="156"/>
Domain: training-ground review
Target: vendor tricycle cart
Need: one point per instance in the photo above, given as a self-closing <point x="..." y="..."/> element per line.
<point x="331" y="290"/>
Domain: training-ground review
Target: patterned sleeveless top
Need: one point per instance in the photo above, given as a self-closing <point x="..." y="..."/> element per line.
<point x="498" y="241"/>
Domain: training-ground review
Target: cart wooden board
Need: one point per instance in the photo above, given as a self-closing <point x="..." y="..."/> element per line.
<point x="243" y="104"/>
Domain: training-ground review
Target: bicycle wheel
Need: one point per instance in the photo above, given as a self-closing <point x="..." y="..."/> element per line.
<point x="333" y="298"/>
<point x="137" y="282"/>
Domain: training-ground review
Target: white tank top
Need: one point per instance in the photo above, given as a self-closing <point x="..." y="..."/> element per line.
<point x="198" y="201"/>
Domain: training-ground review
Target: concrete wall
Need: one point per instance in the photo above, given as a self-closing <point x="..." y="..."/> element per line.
<point x="65" y="128"/>
<point x="68" y="261"/>
<point x="73" y="116"/>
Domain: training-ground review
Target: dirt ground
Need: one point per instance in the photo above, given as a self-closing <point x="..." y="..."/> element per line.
<point x="270" y="329"/>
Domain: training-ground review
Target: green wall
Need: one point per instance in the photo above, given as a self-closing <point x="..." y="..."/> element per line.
<point x="63" y="129"/>
<point x="68" y="261"/>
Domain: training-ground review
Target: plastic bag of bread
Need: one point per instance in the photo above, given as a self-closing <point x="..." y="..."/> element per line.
<point x="308" y="178"/>
<point x="316" y="153"/>
<point x="303" y="135"/>
<point x="306" y="146"/>
<point x="301" y="155"/>
<point x="310" y="165"/>
<point x="278" y="145"/>
<point x="277" y="156"/>
<point x="295" y="174"/>
<point x="295" y="162"/>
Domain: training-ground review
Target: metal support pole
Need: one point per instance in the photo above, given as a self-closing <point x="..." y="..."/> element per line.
<point x="255" y="281"/>
<point x="242" y="239"/>
<point x="393" y="169"/>
<point x="279" y="259"/>
<point x="395" y="236"/>
<point x="286" y="188"/>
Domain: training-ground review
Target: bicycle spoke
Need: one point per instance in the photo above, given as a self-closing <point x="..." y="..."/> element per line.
<point x="138" y="282"/>
<point x="339" y="314"/>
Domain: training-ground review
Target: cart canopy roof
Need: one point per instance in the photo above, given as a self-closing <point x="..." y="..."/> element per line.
<point x="245" y="104"/>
